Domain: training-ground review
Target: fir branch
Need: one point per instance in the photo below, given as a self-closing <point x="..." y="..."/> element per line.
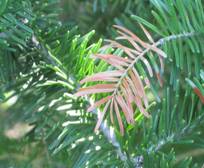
<point x="157" y="44"/>
<point x="108" y="132"/>
<point x="126" y="86"/>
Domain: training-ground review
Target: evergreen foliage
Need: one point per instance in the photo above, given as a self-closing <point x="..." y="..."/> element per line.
<point x="47" y="47"/>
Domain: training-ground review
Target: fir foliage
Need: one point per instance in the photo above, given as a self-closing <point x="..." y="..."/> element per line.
<point x="46" y="49"/>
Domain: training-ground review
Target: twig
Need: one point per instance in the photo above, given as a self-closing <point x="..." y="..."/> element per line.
<point x="109" y="133"/>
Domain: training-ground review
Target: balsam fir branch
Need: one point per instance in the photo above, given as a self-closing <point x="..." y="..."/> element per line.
<point x="146" y="86"/>
<point x="126" y="85"/>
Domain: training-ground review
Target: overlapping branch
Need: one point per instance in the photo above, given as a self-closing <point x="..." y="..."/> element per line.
<point x="124" y="83"/>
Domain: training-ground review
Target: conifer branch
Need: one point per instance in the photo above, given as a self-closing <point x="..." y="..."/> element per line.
<point x="124" y="83"/>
